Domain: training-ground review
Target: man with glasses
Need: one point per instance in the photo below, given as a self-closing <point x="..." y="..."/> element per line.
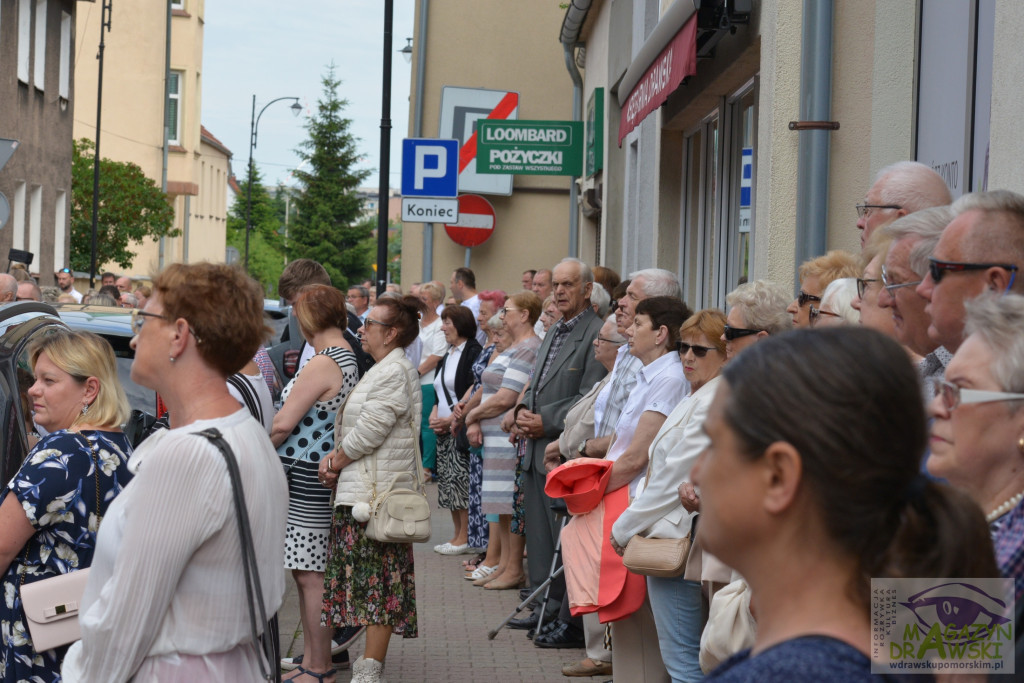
<point x="898" y="190"/>
<point x="914" y="238"/>
<point x="982" y="249"/>
<point x="66" y="283"/>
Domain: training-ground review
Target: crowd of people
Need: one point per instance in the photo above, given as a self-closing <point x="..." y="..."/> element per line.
<point x="19" y="285"/>
<point x="793" y="448"/>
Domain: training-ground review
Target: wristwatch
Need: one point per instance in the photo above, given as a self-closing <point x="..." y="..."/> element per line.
<point x="582" y="448"/>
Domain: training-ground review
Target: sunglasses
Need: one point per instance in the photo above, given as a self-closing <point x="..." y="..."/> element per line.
<point x="954" y="396"/>
<point x="698" y="351"/>
<point x="803" y="298"/>
<point x="65" y="270"/>
<point x="938" y="269"/>
<point x="862" y="285"/>
<point x="733" y="333"/>
<point x="892" y="287"/>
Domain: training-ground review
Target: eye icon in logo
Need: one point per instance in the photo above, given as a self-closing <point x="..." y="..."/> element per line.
<point x="959" y="608"/>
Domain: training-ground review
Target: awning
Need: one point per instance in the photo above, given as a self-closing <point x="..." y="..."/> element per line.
<point x="674" y="63"/>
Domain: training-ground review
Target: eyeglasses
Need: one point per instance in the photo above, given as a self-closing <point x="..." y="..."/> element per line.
<point x="816" y="313"/>
<point x="891" y="288"/>
<point x="371" y="321"/>
<point x="138" y="318"/>
<point x="804" y="297"/>
<point x="507" y="310"/>
<point x="698" y="351"/>
<point x="938" y="269"/>
<point x="610" y="341"/>
<point x="954" y="396"/>
<point x="733" y="333"/>
<point x="862" y="285"/>
<point x="865" y="209"/>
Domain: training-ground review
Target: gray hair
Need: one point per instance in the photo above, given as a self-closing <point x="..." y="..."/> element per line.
<point x="659" y="282"/>
<point x="614" y="335"/>
<point x="600" y="297"/>
<point x="926" y="226"/>
<point x="129" y="299"/>
<point x="912" y="186"/>
<point x="999" y="320"/>
<point x="997" y="239"/>
<point x="838" y="296"/>
<point x="763" y="306"/>
<point x="496" y="323"/>
<point x="8" y="285"/>
<point x="586" y="274"/>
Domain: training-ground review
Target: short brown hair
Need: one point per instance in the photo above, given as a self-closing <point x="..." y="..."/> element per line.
<point x="529" y="302"/>
<point x="708" y="321"/>
<point x="298" y="273"/>
<point x="403" y="316"/>
<point x="463" y="320"/>
<point x="832" y="266"/>
<point x="223" y="306"/>
<point x="318" y="308"/>
<point x="666" y="311"/>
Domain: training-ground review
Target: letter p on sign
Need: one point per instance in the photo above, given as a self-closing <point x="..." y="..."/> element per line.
<point x="430" y="168"/>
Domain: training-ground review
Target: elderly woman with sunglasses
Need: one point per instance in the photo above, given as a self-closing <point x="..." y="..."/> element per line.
<point x="977" y="437"/>
<point x="756" y="310"/>
<point x="657" y="512"/>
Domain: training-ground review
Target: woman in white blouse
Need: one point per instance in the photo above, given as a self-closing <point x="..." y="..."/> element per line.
<point x="656" y="511"/>
<point x="167" y="599"/>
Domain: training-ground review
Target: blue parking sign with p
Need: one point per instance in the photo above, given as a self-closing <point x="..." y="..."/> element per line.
<point x="430" y="167"/>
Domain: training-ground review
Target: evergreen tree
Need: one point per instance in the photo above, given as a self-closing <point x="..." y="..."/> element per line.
<point x="266" y="243"/>
<point x="329" y="226"/>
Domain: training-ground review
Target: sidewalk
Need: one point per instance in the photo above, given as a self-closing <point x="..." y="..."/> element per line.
<point x="454" y="619"/>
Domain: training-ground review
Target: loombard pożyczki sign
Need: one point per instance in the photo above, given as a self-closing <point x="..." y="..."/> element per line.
<point x="530" y="147"/>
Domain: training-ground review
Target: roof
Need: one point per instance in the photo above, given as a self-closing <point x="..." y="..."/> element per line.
<point x="209" y="138"/>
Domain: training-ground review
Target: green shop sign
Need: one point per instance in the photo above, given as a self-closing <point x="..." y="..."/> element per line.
<point x="530" y="147"/>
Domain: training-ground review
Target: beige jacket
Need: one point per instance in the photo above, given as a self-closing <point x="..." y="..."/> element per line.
<point x="379" y="428"/>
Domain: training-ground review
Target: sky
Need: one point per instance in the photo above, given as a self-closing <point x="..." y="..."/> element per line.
<point x="272" y="49"/>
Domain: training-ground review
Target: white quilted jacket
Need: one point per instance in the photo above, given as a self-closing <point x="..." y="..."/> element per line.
<point x="379" y="427"/>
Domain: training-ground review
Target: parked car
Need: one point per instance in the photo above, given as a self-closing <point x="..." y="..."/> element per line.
<point x="25" y="321"/>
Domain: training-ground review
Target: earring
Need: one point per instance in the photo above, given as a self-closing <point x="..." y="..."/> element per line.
<point x="173" y="359"/>
<point x="85" y="409"/>
<point x="1020" y="445"/>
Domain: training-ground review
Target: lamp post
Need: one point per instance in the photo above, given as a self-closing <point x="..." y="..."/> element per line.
<point x="106" y="11"/>
<point x="254" y="123"/>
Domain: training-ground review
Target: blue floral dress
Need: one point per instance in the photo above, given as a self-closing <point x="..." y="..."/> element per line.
<point x="57" y="487"/>
<point x="478" y="531"/>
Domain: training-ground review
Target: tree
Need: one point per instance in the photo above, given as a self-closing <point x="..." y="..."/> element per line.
<point x="329" y="226"/>
<point x="132" y="209"/>
<point x="266" y="243"/>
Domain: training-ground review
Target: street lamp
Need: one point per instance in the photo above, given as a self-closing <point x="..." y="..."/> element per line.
<point x="254" y="123"/>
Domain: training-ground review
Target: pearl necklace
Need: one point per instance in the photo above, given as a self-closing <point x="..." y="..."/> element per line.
<point x="1004" y="508"/>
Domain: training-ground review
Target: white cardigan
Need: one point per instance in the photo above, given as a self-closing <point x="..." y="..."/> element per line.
<point x="656" y="509"/>
<point x="380" y="418"/>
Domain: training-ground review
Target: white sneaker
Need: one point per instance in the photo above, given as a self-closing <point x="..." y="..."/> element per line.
<point x="367" y="671"/>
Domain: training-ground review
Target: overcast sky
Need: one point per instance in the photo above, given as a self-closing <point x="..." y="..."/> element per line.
<point x="273" y="50"/>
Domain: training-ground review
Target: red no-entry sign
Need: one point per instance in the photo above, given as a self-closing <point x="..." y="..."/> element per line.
<point x="476" y="221"/>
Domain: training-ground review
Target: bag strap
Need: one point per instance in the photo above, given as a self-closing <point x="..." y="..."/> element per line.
<point x="252" y="402"/>
<point x="267" y="660"/>
<point x="444" y="387"/>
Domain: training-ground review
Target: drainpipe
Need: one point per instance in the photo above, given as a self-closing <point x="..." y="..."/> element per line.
<point x="813" y="151"/>
<point x="572" y="24"/>
<point x="417" y="131"/>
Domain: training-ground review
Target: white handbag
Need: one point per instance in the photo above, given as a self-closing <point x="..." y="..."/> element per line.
<point x="51" y="609"/>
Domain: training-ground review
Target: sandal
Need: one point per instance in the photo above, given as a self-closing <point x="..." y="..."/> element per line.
<point x="320" y="677"/>
<point x="470" y="565"/>
<point x="481" y="572"/>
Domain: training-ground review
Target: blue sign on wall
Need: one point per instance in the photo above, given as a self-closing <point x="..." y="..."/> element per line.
<point x="430" y="167"/>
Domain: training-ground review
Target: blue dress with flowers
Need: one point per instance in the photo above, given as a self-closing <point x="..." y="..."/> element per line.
<point x="57" y="488"/>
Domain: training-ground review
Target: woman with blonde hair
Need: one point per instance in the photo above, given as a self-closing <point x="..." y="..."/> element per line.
<point x="52" y="506"/>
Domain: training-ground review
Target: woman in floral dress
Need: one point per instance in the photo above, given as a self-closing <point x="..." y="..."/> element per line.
<point x="51" y="509"/>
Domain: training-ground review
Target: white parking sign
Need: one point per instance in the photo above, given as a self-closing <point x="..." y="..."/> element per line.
<point x="430" y="167"/>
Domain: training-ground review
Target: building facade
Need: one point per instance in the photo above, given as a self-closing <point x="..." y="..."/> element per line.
<point x="37" y="104"/>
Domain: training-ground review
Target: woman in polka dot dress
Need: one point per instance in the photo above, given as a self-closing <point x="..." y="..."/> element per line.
<point x="303" y="433"/>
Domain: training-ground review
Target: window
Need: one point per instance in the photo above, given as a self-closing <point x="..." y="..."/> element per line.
<point x="60" y="229"/>
<point x="24" y="38"/>
<point x="178" y="4"/>
<point x="174" y="108"/>
<point x="39" y="57"/>
<point x="718" y="195"/>
<point x="18" y="229"/>
<point x="64" y="78"/>
<point x="35" y="219"/>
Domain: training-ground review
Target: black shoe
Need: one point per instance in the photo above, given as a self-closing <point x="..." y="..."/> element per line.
<point x="338" y="661"/>
<point x="344" y="637"/>
<point x="547" y="628"/>
<point x="524" y="624"/>
<point x="525" y="592"/>
<point x="566" y="635"/>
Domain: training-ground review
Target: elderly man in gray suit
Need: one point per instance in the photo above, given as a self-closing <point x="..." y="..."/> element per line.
<point x="565" y="370"/>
